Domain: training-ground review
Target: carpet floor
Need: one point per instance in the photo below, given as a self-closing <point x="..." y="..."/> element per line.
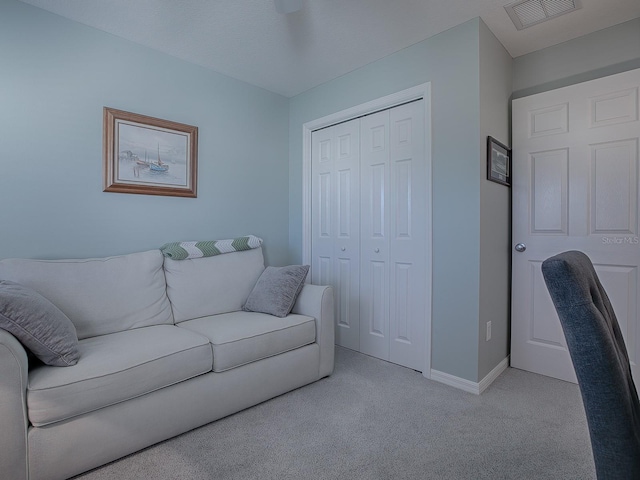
<point x="375" y="420"/>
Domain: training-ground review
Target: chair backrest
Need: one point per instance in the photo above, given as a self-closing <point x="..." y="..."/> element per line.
<point x="601" y="363"/>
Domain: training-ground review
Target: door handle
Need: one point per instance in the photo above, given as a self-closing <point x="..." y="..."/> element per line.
<point x="377" y="250"/>
<point x="521" y="247"/>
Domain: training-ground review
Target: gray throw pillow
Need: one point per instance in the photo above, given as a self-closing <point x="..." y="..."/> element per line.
<point x="276" y="290"/>
<point x="38" y="324"/>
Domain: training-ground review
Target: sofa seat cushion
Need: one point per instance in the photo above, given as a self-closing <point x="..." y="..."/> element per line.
<point x="240" y="337"/>
<point x="114" y="368"/>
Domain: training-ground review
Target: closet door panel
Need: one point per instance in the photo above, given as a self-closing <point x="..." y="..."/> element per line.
<point x="346" y="245"/>
<point x="335" y="223"/>
<point x="407" y="239"/>
<point x="374" y="235"/>
<point x="322" y="213"/>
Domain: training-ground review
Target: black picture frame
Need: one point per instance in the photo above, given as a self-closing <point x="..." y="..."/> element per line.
<point x="498" y="162"/>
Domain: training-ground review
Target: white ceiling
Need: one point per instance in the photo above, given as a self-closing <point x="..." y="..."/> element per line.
<point x="288" y="54"/>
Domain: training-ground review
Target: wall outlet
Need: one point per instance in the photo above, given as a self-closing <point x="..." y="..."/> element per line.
<point x="488" y="331"/>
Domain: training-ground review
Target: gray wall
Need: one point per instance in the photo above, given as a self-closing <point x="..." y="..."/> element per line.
<point x="606" y="52"/>
<point x="55" y="77"/>
<point x="450" y="62"/>
<point x="495" y="205"/>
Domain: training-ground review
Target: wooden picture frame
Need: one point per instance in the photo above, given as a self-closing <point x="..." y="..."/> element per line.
<point x="498" y="162"/>
<point x="149" y="156"/>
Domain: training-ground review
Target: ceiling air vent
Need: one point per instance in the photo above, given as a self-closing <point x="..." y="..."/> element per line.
<point x="527" y="13"/>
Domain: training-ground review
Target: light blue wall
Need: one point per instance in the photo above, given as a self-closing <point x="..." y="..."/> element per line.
<point x="605" y="52"/>
<point x="55" y="77"/>
<point x="450" y="62"/>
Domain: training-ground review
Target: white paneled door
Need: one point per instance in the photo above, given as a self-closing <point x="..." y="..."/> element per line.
<point x="575" y="187"/>
<point x="335" y="166"/>
<point x="369" y="183"/>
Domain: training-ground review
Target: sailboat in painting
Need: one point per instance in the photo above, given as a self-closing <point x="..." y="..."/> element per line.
<point x="143" y="163"/>
<point x="159" y="166"/>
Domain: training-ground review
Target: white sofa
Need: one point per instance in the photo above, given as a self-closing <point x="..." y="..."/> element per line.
<point x="164" y="348"/>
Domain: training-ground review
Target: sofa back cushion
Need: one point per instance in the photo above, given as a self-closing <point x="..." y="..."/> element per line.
<point x="199" y="287"/>
<point x="99" y="295"/>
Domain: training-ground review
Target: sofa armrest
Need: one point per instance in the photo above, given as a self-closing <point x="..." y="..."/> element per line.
<point x="317" y="301"/>
<point x="13" y="408"/>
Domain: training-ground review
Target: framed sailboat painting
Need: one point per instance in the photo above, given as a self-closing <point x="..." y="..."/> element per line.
<point x="149" y="156"/>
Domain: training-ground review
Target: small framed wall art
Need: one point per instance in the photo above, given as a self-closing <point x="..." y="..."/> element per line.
<point x="498" y="162"/>
<point x="148" y="155"/>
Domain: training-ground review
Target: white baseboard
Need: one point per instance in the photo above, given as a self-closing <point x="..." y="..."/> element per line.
<point x="468" y="385"/>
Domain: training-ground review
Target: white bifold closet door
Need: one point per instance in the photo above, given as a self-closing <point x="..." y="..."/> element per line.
<point x="368" y="232"/>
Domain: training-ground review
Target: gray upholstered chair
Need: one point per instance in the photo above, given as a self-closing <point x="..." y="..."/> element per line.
<point x="601" y="363"/>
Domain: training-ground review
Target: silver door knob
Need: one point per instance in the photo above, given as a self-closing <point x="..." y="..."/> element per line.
<point x="343" y="248"/>
<point x="377" y="250"/>
<point x="521" y="247"/>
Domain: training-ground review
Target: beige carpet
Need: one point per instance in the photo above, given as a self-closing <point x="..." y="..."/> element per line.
<point x="374" y="420"/>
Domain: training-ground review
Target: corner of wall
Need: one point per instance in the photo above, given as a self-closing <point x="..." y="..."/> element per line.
<point x="495" y="206"/>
